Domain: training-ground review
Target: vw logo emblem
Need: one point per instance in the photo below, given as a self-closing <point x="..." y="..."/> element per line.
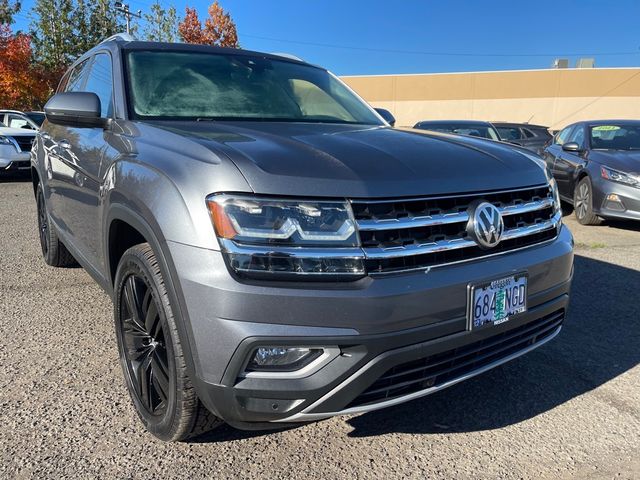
<point x="485" y="224"/>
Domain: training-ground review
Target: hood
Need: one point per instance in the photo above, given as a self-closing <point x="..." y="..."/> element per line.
<point x="321" y="160"/>
<point x="627" y="161"/>
<point x="12" y="132"/>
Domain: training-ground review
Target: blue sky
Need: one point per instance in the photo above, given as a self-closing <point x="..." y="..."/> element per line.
<point x="413" y="36"/>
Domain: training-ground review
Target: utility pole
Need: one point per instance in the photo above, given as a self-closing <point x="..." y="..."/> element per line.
<point x="124" y="9"/>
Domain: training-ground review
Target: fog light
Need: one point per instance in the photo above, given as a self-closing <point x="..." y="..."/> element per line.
<point x="613" y="202"/>
<point x="281" y="359"/>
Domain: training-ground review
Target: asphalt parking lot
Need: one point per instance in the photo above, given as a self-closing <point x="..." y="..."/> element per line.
<point x="568" y="410"/>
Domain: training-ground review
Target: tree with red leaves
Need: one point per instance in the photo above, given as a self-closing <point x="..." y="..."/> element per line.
<point x="219" y="28"/>
<point x="23" y="85"/>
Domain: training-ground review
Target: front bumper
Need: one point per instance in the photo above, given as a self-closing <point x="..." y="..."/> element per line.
<point x="626" y="207"/>
<point x="377" y="324"/>
<point x="12" y="160"/>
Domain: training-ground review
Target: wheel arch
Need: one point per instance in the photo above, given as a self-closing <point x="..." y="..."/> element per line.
<point x="577" y="177"/>
<point x="122" y="220"/>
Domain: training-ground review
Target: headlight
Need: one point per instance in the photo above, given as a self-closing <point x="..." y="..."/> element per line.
<point x="5" y="140"/>
<point x="557" y="206"/>
<point x="620" y="177"/>
<point x="263" y="236"/>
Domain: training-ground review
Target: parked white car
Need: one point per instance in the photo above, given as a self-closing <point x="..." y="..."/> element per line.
<point x="17" y="119"/>
<point x="15" y="145"/>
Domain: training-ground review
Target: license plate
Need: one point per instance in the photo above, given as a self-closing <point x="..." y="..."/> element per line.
<point x="495" y="302"/>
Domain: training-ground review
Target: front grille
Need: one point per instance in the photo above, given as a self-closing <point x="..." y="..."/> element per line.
<point x="407" y="234"/>
<point x="24" y="142"/>
<point x="440" y="368"/>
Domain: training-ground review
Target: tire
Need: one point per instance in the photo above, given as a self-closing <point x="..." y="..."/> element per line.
<point x="583" y="203"/>
<point x="53" y="250"/>
<point x="151" y="353"/>
<point x="567" y="208"/>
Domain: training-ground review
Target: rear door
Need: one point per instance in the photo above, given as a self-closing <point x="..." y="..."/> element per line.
<point x="554" y="150"/>
<point x="81" y="152"/>
<point x="59" y="169"/>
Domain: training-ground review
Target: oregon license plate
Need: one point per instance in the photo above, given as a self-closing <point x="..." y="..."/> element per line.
<point x="495" y="302"/>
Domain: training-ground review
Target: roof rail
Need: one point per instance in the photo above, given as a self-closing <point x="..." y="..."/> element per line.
<point x="287" y="55"/>
<point x="124" y="37"/>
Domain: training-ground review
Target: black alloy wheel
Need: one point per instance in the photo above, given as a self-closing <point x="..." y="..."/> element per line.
<point x="151" y="353"/>
<point x="43" y="223"/>
<point x="145" y="345"/>
<point x="53" y="250"/>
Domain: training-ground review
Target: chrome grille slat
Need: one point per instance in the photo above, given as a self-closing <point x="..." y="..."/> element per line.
<point x="457" y="243"/>
<point x="446" y="218"/>
<point x="413" y="233"/>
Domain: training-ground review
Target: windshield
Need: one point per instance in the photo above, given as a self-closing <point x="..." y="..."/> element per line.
<point x="193" y="85"/>
<point x="615" y="137"/>
<point x="472" y="130"/>
<point x="36" y="117"/>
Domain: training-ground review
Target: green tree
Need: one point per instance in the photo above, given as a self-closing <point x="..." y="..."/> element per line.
<point x="81" y="26"/>
<point x="8" y="10"/>
<point x="64" y="29"/>
<point x="161" y="24"/>
<point x="104" y="20"/>
<point x="52" y="33"/>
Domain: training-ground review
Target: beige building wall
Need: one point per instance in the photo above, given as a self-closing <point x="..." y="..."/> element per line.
<point x="554" y="97"/>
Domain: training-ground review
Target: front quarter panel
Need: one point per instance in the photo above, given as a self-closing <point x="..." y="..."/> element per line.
<point x="165" y="180"/>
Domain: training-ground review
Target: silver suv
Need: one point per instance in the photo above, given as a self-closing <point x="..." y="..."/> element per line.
<point x="276" y="252"/>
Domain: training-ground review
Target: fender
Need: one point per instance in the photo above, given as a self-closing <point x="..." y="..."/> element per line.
<point x="153" y="236"/>
<point x="580" y="171"/>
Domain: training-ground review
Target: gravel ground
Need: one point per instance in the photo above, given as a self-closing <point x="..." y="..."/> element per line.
<point x="568" y="410"/>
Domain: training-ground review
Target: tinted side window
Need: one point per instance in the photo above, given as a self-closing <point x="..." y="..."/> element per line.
<point x="542" y="133"/>
<point x="509" y="133"/>
<point x="562" y="136"/>
<point x="77" y="77"/>
<point x="528" y="133"/>
<point x="100" y="82"/>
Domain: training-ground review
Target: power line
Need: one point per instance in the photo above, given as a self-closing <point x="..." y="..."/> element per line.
<point x="442" y="54"/>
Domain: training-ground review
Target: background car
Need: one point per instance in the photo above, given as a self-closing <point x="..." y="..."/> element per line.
<point x="473" y="128"/>
<point x="597" y="167"/>
<point x="531" y="137"/>
<point x="36" y="117"/>
<point x="15" y="148"/>
<point x="17" y="119"/>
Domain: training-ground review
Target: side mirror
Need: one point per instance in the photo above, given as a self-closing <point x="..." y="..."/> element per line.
<point x="571" y="147"/>
<point x="75" y="109"/>
<point x="387" y="115"/>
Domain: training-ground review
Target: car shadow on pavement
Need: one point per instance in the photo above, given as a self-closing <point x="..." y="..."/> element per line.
<point x="599" y="341"/>
<point x="15" y="177"/>
<point x="631" y="225"/>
